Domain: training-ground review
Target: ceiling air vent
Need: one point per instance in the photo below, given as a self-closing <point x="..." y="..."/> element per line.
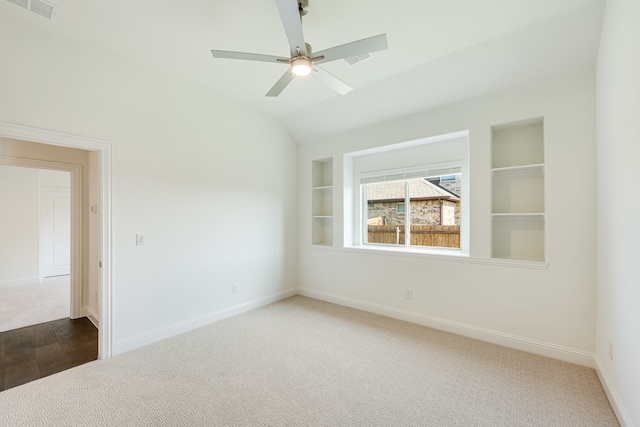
<point x="39" y="7"/>
<point x="43" y="8"/>
<point x="351" y="60"/>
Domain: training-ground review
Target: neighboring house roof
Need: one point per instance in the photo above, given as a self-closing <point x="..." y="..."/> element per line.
<point x="438" y="184"/>
<point x="418" y="189"/>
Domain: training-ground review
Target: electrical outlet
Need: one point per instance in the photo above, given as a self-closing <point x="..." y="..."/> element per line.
<point x="141" y="240"/>
<point x="611" y="350"/>
<point x="408" y="294"/>
<point x="235" y="288"/>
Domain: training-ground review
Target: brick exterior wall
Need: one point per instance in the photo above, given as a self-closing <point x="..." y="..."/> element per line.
<point x="423" y="212"/>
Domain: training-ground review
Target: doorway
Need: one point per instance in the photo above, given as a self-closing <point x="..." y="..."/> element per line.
<point x="35" y="265"/>
<point x="98" y="262"/>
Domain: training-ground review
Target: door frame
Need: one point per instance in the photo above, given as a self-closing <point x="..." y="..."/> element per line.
<point x="103" y="149"/>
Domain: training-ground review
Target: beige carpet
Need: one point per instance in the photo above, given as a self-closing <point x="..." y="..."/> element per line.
<point x="36" y="303"/>
<point x="302" y="362"/>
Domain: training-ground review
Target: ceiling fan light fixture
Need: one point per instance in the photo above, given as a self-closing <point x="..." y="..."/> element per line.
<point x="301" y="66"/>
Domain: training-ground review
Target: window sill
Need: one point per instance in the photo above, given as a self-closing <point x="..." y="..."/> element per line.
<point x="451" y="255"/>
<point x="413" y="250"/>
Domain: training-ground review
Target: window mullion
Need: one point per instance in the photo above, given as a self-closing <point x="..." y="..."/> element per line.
<point x="407" y="214"/>
<point x="365" y="226"/>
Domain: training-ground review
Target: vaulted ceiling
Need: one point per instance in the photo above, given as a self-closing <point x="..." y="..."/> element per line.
<point x="439" y="51"/>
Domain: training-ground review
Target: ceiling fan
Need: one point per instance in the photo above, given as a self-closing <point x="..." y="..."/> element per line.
<point x="303" y="61"/>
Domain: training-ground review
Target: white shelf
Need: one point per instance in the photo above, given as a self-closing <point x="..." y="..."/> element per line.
<point x="526" y="170"/>
<point x="521" y="258"/>
<point x="531" y="215"/>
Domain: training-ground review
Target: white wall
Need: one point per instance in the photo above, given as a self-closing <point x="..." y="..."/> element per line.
<point x="549" y="311"/>
<point x="54" y="178"/>
<point x="19" y="226"/>
<point x="618" y="148"/>
<point x="210" y="183"/>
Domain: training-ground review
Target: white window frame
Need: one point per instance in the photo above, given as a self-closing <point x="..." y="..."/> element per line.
<point x="405" y="174"/>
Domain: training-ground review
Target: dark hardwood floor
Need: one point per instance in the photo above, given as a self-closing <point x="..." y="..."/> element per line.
<point x="33" y="352"/>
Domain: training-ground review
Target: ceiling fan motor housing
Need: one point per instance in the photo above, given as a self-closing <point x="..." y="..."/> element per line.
<point x="303" y="7"/>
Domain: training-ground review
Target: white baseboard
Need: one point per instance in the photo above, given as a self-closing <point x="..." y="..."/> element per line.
<point x="512" y="341"/>
<point x="612" y="394"/>
<point x="141" y="340"/>
<point x="91" y="314"/>
<point x="19" y="282"/>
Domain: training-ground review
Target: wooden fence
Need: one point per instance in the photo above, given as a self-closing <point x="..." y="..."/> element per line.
<point x="443" y="236"/>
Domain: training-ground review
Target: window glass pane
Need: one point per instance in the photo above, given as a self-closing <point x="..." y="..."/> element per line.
<point x="385" y="212"/>
<point x="435" y="212"/>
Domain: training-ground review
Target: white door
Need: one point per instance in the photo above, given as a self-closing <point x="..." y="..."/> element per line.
<point x="56" y="252"/>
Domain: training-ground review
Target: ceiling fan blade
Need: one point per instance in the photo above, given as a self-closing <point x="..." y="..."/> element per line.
<point x="332" y="81"/>
<point x="247" y="56"/>
<point x="371" y="44"/>
<point x="281" y="84"/>
<point x="290" y="16"/>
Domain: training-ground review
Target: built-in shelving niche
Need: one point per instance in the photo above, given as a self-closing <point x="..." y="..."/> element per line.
<point x="322" y="202"/>
<point x="517" y="183"/>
